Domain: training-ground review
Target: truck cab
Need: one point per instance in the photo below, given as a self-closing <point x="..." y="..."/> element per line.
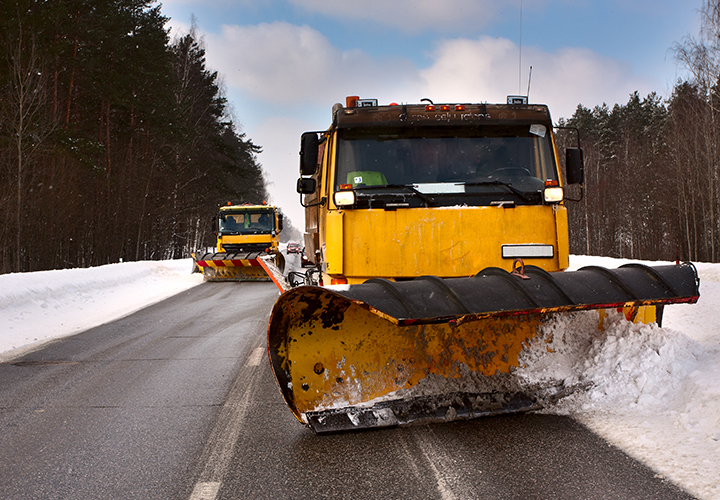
<point x="402" y="191"/>
<point x="247" y="228"/>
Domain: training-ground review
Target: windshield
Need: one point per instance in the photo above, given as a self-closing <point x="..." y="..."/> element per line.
<point x="246" y="222"/>
<point x="513" y="160"/>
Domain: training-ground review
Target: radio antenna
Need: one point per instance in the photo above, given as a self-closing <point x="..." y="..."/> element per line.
<point x="529" y="78"/>
<point x="520" y="53"/>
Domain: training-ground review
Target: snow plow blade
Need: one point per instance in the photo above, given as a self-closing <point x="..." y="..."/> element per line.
<point x="388" y="353"/>
<point x="231" y="266"/>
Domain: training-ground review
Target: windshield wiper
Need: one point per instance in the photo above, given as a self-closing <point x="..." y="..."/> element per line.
<point x="523" y="194"/>
<point x="427" y="199"/>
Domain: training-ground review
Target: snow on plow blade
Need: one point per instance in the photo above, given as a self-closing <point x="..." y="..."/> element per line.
<point x="231" y="266"/>
<point x="386" y="353"/>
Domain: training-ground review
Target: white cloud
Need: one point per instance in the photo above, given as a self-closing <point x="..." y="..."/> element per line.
<point x="286" y="64"/>
<point x="487" y="70"/>
<point x="411" y="16"/>
<point x="299" y="69"/>
<point x="280" y="140"/>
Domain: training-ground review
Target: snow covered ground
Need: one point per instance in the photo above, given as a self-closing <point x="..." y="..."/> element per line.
<point x="38" y="307"/>
<point x="653" y="392"/>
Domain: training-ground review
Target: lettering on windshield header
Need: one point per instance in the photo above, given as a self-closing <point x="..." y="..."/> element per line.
<point x="439" y="117"/>
<point x="445" y="117"/>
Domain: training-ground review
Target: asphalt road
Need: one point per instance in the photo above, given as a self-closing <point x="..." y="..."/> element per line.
<point x="122" y="410"/>
<point x="177" y="401"/>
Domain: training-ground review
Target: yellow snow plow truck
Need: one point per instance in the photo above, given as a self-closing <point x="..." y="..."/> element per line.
<point x="440" y="238"/>
<point x="244" y="233"/>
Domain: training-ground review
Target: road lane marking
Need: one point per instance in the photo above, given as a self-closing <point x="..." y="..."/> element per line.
<point x="449" y="484"/>
<point x="220" y="446"/>
<point x="205" y="491"/>
<point x="256" y="357"/>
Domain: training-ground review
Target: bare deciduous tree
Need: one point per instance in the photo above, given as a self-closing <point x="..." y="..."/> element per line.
<point x="27" y="122"/>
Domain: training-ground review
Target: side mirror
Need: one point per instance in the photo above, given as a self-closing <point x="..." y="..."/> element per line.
<point x="574" y="165"/>
<point x="306" y="185"/>
<point x="280" y="222"/>
<point x="214" y="224"/>
<point x="308" y="153"/>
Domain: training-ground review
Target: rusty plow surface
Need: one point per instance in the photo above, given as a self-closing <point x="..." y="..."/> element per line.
<point x="385" y="353"/>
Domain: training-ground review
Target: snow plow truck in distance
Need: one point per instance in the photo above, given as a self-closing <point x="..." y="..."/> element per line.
<point x="440" y="234"/>
<point x="244" y="233"/>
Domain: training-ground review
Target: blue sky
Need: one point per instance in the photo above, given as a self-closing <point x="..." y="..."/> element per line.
<point x="285" y="62"/>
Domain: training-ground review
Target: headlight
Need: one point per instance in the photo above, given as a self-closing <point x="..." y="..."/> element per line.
<point x="553" y="194"/>
<point x="344" y="198"/>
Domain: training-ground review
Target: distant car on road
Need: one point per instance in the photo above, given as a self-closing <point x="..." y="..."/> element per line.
<point x="293" y="247"/>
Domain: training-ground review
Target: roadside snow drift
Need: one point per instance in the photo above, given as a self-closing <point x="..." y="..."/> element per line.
<point x="40" y="306"/>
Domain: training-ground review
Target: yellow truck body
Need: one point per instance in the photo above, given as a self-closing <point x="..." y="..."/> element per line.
<point x="359" y="245"/>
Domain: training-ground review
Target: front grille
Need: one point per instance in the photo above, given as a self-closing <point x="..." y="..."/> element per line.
<point x="245" y="247"/>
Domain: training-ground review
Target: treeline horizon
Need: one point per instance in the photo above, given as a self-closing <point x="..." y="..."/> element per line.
<point x="115" y="142"/>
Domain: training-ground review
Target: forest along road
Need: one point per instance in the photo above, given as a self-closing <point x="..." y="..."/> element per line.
<point x="177" y="401"/>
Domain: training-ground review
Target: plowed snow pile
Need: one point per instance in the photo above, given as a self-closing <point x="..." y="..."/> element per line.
<point x="653" y="392"/>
